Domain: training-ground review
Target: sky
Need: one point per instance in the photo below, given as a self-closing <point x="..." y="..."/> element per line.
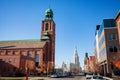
<point x="75" y="21"/>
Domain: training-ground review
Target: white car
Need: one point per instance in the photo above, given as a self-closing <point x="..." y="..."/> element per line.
<point x="89" y="75"/>
<point x="96" y="77"/>
<point x="81" y="74"/>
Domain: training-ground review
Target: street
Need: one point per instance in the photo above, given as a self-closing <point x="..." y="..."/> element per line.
<point x="72" y="78"/>
<point x="48" y="78"/>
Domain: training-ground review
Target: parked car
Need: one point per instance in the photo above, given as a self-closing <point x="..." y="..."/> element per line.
<point x="55" y="75"/>
<point x="89" y="75"/>
<point x="96" y="77"/>
<point x="81" y="74"/>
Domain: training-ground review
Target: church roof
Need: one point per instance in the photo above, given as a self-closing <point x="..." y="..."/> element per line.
<point x="46" y="36"/>
<point x="22" y="44"/>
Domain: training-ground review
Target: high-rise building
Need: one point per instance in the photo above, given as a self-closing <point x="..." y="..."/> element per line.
<point x="22" y="54"/>
<point x="76" y="60"/>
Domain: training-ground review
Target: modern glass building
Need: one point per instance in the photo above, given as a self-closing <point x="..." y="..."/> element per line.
<point x="107" y="45"/>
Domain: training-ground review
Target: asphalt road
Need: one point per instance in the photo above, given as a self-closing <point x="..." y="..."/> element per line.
<point x="48" y="78"/>
<point x="72" y="78"/>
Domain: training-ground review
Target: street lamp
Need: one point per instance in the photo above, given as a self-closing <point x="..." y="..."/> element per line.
<point x="26" y="73"/>
<point x="47" y="71"/>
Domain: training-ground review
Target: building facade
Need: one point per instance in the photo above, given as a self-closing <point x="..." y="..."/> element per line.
<point x="117" y="18"/>
<point x="92" y="64"/>
<point x="107" y="46"/>
<point x="39" y="54"/>
<point x="86" y="63"/>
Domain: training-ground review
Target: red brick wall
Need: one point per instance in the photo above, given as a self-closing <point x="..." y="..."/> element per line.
<point x="118" y="24"/>
<point x="23" y="60"/>
<point x="51" y="44"/>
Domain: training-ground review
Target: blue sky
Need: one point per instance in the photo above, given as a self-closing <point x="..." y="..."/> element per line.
<point x="75" y="23"/>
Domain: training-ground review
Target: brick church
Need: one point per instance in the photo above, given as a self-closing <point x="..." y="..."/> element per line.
<point x="32" y="56"/>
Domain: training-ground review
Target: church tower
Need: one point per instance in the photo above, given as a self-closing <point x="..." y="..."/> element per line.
<point x="48" y="35"/>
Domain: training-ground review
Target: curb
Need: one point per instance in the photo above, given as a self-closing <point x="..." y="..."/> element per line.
<point x="107" y="78"/>
<point x="116" y="77"/>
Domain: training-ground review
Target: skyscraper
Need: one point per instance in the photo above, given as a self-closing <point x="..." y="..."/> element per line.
<point x="76" y="59"/>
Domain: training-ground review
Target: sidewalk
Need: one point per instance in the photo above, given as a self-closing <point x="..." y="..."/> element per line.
<point x="107" y="78"/>
<point x="113" y="78"/>
<point x="38" y="78"/>
<point x="116" y="77"/>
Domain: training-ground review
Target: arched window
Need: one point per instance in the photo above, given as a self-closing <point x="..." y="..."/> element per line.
<point x="37" y="59"/>
<point x="46" y="26"/>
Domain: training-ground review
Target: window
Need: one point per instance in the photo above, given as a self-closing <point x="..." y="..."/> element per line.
<point x="46" y="26"/>
<point x="29" y="55"/>
<point x="15" y="60"/>
<point x="102" y="52"/>
<point x="113" y="49"/>
<point x="36" y="60"/>
<point x="100" y="30"/>
<point x="112" y="36"/>
<point x="10" y="60"/>
<point x="101" y="41"/>
<point x="36" y="57"/>
<point x="36" y="64"/>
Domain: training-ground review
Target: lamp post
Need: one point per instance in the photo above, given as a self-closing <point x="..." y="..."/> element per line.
<point x="26" y="73"/>
<point x="47" y="71"/>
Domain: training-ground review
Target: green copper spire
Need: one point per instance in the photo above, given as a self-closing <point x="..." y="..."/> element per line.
<point x="45" y="36"/>
<point x="49" y="14"/>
